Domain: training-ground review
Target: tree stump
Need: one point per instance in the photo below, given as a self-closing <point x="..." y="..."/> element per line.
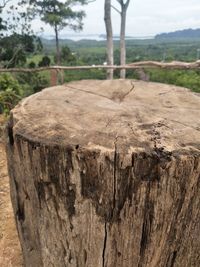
<point x="107" y="174"/>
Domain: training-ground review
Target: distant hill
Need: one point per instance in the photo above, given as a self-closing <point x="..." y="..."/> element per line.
<point x="187" y="33"/>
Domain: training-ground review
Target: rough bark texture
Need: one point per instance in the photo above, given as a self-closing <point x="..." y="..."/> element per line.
<point x="10" y="252"/>
<point x="107" y="174"/>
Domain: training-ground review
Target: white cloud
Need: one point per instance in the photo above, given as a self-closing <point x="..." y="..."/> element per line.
<point x="147" y="17"/>
<point x="144" y="17"/>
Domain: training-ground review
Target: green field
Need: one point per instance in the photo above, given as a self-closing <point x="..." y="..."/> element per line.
<point x="90" y="52"/>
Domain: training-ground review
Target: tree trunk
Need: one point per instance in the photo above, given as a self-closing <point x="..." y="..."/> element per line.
<point x="124" y="7"/>
<point x="58" y="61"/>
<point x="123" y="43"/>
<point x="103" y="174"/>
<point x="109" y="34"/>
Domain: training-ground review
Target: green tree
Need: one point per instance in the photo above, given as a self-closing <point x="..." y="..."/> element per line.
<point x="66" y="55"/>
<point x="59" y="14"/>
<point x="46" y="61"/>
<point x="17" y="39"/>
<point x="15" y="48"/>
<point x="10" y="92"/>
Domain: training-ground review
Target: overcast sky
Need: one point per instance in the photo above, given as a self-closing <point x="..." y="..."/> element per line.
<point x="144" y="17"/>
<point x="147" y="17"/>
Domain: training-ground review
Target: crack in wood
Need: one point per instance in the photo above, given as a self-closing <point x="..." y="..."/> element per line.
<point x="186" y="125"/>
<point x="132" y="88"/>
<point x="171" y="260"/>
<point x="114" y="177"/>
<point x="110" y="121"/>
<point x="147" y="224"/>
<point x="104" y="245"/>
<point x="119" y="97"/>
<point x="156" y="138"/>
<point x="10" y="131"/>
<point x="88" y="92"/>
<point x="115" y="98"/>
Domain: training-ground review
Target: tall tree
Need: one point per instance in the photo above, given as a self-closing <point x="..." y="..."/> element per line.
<point x="109" y="33"/>
<point x="59" y="14"/>
<point x="124" y="6"/>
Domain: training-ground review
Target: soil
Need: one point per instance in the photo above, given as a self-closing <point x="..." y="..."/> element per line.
<point x="10" y="251"/>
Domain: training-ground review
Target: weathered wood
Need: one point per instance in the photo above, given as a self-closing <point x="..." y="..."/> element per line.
<point x="107" y="174"/>
<point x="136" y="65"/>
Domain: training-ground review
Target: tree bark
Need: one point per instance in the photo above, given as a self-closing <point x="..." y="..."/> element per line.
<point x="103" y="174"/>
<point x="109" y="34"/>
<point x="124" y="7"/>
<point x="123" y="44"/>
<point x="58" y="61"/>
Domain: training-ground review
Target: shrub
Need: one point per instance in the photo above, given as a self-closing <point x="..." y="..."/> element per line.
<point x="46" y="61"/>
<point x="10" y="92"/>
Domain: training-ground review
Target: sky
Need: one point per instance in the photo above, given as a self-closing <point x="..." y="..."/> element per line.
<point x="147" y="17"/>
<point x="144" y="17"/>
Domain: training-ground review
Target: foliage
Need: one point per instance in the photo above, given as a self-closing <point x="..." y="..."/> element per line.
<point x="14" y="88"/>
<point x="46" y="61"/>
<point x="10" y="92"/>
<point x="90" y="52"/>
<point x="66" y="55"/>
<point x="19" y="17"/>
<point x="32" y="82"/>
<point x="8" y="99"/>
<point x="59" y="14"/>
<point x="2" y="24"/>
<point x="32" y="65"/>
<point x="18" y="40"/>
<point x="76" y="75"/>
<point x="7" y="81"/>
<point x="189" y="78"/>
<point x="15" y="48"/>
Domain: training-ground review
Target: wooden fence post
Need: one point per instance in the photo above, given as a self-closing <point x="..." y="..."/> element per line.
<point x="54" y="77"/>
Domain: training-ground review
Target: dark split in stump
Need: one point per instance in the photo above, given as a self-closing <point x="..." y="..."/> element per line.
<point x="107" y="174"/>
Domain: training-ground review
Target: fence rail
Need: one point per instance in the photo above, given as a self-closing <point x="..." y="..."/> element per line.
<point x="56" y="70"/>
<point x="135" y="65"/>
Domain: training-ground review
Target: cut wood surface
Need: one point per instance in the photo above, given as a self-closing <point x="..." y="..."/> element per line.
<point x="107" y="174"/>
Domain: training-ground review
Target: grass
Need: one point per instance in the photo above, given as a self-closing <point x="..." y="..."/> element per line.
<point x="37" y="58"/>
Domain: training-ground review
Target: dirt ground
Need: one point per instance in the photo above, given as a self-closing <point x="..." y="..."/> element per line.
<point x="10" y="252"/>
